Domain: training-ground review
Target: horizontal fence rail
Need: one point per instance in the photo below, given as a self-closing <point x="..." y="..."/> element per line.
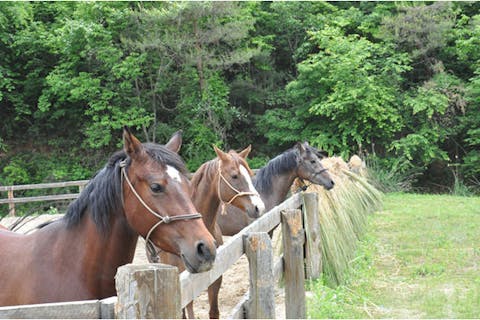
<point x="11" y="200"/>
<point x="87" y="309"/>
<point x="78" y="183"/>
<point x="52" y="197"/>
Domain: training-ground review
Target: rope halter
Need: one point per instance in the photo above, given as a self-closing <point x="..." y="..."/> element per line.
<point x="305" y="185"/>
<point x="238" y="193"/>
<point x="149" y="246"/>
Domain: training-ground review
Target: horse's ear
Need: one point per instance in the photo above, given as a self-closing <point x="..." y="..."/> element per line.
<point x="244" y="153"/>
<point x="300" y="147"/>
<point x="175" y="142"/>
<point x="321" y="154"/>
<point x="221" y="155"/>
<point x="132" y="146"/>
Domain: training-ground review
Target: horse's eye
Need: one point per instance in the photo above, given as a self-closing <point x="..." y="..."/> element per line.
<point x="312" y="161"/>
<point x="157" y="188"/>
<point x="234" y="176"/>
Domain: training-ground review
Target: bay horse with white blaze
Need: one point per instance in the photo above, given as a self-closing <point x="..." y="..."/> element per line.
<point x="142" y="191"/>
<point x="274" y="180"/>
<point x="225" y="180"/>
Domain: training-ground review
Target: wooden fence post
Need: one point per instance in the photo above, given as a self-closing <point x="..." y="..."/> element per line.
<point x="313" y="245"/>
<point x="148" y="291"/>
<point x="261" y="303"/>
<point x="11" y="205"/>
<point x="293" y="240"/>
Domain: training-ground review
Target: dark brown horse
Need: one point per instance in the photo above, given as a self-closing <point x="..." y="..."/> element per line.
<point x="218" y="182"/>
<point x="275" y="179"/>
<point x="141" y="191"/>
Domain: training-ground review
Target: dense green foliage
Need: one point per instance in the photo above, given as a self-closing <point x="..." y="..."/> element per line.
<point x="397" y="81"/>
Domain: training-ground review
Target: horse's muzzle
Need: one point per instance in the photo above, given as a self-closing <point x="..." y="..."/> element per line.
<point x="201" y="260"/>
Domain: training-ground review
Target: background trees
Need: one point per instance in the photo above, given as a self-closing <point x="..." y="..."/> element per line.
<point x="396" y="82"/>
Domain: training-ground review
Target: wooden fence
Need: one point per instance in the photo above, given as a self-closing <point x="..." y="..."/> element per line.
<point x="11" y="200"/>
<point x="157" y="291"/>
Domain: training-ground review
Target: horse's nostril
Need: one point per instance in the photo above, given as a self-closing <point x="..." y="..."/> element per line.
<point x="201" y="248"/>
<point x="333" y="183"/>
<point x="256" y="209"/>
<point x="203" y="251"/>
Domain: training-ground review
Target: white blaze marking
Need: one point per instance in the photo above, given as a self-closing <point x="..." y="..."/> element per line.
<point x="173" y="173"/>
<point x="256" y="200"/>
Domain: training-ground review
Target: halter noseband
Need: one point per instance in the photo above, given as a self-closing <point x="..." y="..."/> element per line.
<point x="149" y="246"/>
<point x="238" y="192"/>
<point x="305" y="186"/>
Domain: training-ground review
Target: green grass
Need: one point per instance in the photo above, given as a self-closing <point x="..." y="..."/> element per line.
<point x="420" y="258"/>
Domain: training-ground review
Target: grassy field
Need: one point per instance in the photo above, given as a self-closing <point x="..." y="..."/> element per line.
<point x="419" y="259"/>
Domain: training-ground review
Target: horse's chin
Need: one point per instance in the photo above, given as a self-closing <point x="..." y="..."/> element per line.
<point x="329" y="187"/>
<point x="196" y="267"/>
<point x="252" y="214"/>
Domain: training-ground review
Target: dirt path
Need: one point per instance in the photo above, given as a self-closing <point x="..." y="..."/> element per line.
<point x="234" y="285"/>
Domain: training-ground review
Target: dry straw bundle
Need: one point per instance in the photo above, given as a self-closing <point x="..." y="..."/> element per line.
<point x="343" y="214"/>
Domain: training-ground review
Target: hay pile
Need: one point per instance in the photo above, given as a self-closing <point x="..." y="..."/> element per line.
<point x="343" y="214"/>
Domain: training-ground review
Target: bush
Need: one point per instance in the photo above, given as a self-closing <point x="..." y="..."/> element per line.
<point x="391" y="175"/>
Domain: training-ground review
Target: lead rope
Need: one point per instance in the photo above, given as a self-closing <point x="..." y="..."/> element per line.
<point x="149" y="246"/>
<point x="238" y="192"/>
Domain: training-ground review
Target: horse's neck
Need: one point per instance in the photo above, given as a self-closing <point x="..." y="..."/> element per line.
<point x="279" y="187"/>
<point x="95" y="255"/>
<point x="206" y="200"/>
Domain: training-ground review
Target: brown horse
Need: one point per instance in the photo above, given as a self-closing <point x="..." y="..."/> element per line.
<point x="218" y="182"/>
<point x="141" y="191"/>
<point x="275" y="179"/>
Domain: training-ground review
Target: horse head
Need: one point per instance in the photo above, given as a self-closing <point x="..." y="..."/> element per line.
<point x="310" y="168"/>
<point x="157" y="202"/>
<point x="235" y="183"/>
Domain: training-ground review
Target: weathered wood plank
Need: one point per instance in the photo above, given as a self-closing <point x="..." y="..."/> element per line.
<point x="259" y="251"/>
<point x="44" y="185"/>
<point x="278" y="268"/>
<point x="148" y="292"/>
<point x="89" y="309"/>
<point x="41" y="198"/>
<point x="313" y="246"/>
<point x="192" y="285"/>
<point x="293" y="240"/>
<point x="107" y="308"/>
<point x="238" y="312"/>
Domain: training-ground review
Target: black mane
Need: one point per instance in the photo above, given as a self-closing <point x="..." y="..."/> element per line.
<point x="283" y="163"/>
<point x="102" y="197"/>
